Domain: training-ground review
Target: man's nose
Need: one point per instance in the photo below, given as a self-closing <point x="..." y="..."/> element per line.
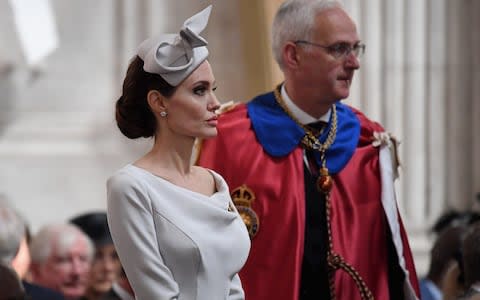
<point x="352" y="61"/>
<point x="80" y="266"/>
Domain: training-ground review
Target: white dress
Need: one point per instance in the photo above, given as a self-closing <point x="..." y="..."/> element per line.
<point x="175" y="243"/>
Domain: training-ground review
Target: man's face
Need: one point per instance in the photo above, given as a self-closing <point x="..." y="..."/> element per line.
<point x="326" y="77"/>
<point x="66" y="272"/>
<point x="105" y="269"/>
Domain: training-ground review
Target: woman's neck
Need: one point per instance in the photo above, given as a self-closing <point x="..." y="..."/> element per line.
<point x="173" y="156"/>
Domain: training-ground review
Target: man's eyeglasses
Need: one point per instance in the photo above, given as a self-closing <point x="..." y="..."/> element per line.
<point x="339" y="50"/>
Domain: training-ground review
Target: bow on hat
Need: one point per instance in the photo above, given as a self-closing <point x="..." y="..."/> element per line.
<point x="175" y="56"/>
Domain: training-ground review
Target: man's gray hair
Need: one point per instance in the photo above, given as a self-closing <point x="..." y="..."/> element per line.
<point x="12" y="232"/>
<point x="58" y="236"/>
<point x="294" y="21"/>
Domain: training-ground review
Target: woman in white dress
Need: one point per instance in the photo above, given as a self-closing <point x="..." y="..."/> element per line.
<point x="174" y="225"/>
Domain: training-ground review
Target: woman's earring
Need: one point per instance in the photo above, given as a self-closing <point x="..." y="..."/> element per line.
<point x="163" y="114"/>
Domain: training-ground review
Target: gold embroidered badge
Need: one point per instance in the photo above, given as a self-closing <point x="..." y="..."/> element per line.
<point x="243" y="197"/>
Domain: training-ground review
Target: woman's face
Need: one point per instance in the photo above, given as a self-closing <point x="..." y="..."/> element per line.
<point x="105" y="269"/>
<point x="191" y="109"/>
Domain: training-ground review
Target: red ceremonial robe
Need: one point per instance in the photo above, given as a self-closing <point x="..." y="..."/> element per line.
<point x="358" y="221"/>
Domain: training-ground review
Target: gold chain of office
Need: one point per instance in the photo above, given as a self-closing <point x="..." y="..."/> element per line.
<point x="324" y="184"/>
<point x="310" y="140"/>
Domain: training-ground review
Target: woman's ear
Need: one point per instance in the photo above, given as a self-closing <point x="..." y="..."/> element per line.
<point x="156" y="101"/>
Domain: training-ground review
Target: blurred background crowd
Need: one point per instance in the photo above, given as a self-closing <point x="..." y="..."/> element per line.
<point x="77" y="259"/>
<point x="70" y="260"/>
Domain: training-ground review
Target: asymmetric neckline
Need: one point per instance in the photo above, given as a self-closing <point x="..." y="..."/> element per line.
<point x="219" y="187"/>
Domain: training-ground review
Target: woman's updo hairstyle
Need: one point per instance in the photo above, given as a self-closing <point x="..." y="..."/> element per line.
<point x="161" y="64"/>
<point x="132" y="112"/>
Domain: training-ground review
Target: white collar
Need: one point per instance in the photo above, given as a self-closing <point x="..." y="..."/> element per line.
<point x="121" y="292"/>
<point x="298" y="113"/>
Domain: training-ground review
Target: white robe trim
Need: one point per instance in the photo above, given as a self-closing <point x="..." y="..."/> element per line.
<point x="391" y="210"/>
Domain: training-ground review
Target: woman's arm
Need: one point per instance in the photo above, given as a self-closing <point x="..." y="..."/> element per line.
<point x="133" y="232"/>
<point x="236" y="291"/>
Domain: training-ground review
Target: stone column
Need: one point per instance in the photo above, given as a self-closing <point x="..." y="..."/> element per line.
<point x="393" y="91"/>
<point x="474" y="10"/>
<point x="459" y="105"/>
<point x="414" y="139"/>
<point x="371" y="30"/>
<point x="435" y="193"/>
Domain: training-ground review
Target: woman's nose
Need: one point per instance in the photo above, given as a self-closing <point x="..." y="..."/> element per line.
<point x="214" y="104"/>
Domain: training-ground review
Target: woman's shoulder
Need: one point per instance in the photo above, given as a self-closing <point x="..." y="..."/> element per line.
<point x="205" y="176"/>
<point x="214" y="179"/>
<point x="125" y="178"/>
<point x="128" y="183"/>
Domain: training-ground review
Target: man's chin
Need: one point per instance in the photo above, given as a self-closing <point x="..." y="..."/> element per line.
<point x="343" y="93"/>
<point x="342" y="96"/>
<point x="72" y="293"/>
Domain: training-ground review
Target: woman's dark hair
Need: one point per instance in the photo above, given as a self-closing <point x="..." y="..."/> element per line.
<point x="446" y="248"/>
<point x="471" y="255"/>
<point x="132" y="112"/>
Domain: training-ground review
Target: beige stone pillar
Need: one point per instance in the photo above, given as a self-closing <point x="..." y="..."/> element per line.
<point x="474" y="10"/>
<point x="263" y="72"/>
<point x="393" y="84"/>
<point x="435" y="193"/>
<point x="459" y="104"/>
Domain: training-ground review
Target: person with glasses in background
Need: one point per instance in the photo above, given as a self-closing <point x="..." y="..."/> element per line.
<point x="313" y="177"/>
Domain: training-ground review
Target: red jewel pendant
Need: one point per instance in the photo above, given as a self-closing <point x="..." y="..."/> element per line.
<point x="324" y="181"/>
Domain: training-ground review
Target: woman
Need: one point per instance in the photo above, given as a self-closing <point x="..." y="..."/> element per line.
<point x="175" y="228"/>
<point x="105" y="268"/>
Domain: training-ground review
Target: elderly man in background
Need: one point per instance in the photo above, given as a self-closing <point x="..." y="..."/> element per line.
<point x="12" y="233"/>
<point x="14" y="252"/>
<point x="61" y="259"/>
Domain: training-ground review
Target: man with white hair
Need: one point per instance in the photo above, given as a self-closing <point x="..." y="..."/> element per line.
<point x="14" y="252"/>
<point x="12" y="232"/>
<point x="61" y="259"/>
<point x="313" y="177"/>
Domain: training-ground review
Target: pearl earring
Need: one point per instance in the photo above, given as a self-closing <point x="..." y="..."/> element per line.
<point x="163" y="114"/>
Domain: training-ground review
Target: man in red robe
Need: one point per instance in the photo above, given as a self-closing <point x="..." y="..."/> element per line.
<point x="312" y="177"/>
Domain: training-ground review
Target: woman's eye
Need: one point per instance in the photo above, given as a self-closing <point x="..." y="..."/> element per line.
<point x="200" y="91"/>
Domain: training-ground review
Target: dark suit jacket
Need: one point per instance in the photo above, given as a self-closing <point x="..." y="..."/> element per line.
<point x="37" y="292"/>
<point x="111" y="295"/>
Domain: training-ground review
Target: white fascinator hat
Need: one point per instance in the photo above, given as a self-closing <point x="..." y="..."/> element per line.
<point x="175" y="56"/>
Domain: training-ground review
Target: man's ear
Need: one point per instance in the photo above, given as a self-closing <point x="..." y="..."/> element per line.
<point x="156" y="101"/>
<point x="290" y="55"/>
